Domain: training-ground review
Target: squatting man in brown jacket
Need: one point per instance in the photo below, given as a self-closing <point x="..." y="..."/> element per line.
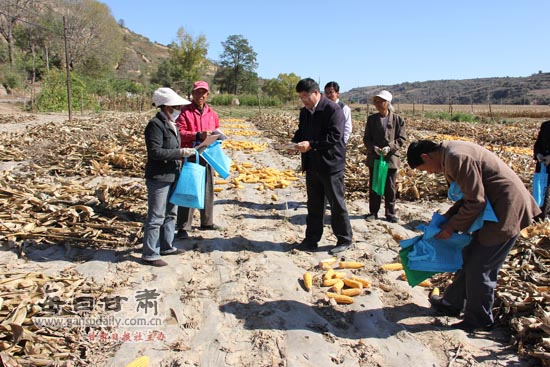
<point x="481" y="176"/>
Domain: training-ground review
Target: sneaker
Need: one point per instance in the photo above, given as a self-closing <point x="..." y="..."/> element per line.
<point x="443" y="307"/>
<point x="306" y="245"/>
<point x="339" y="248"/>
<point x="469" y="328"/>
<point x="212" y="227"/>
<point x="182" y="235"/>
<point x="371" y="217"/>
<point x="177" y="252"/>
<point x="158" y="263"/>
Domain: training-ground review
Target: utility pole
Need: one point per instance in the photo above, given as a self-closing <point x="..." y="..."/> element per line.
<point x="68" y="71"/>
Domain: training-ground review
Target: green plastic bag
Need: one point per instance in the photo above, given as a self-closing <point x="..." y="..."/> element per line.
<point x="414" y="277"/>
<point x="380" y="172"/>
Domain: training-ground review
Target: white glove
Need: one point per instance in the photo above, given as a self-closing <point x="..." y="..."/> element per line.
<point x="540" y="157"/>
<point x="384" y="151"/>
<point x="187" y="152"/>
<point x="377" y="150"/>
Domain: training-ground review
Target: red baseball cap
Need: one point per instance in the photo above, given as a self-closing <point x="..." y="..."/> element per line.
<point x="200" y="85"/>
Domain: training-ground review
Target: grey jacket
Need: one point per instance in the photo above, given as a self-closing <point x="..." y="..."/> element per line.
<point x="394" y="137"/>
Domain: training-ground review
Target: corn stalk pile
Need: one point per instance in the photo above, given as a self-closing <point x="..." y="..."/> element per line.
<point x="62" y="194"/>
<point x="26" y="296"/>
<point x="523" y="293"/>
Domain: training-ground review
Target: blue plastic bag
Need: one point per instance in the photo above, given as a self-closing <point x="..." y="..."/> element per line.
<point x="190" y="189"/>
<point x="214" y="155"/>
<point x="540" y="181"/>
<point x="488" y="214"/>
<point x="435" y="255"/>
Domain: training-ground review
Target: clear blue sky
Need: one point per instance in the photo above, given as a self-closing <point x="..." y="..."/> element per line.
<point x="361" y="42"/>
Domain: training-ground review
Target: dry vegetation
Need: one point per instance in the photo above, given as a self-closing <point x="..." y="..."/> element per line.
<point x="53" y="198"/>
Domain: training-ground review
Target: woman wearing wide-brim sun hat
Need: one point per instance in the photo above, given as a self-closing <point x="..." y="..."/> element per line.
<point x="162" y="169"/>
<point x="385" y="134"/>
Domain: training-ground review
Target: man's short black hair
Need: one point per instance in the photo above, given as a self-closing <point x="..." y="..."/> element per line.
<point x="417" y="148"/>
<point x="307" y="85"/>
<point x="333" y="85"/>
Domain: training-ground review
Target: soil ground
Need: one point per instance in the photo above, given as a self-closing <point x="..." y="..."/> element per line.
<point x="235" y="297"/>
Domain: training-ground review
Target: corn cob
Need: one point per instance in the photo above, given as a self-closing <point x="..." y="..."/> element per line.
<point x="339" y="274"/>
<point x="353" y="283"/>
<point x="337" y="287"/>
<point x="352" y="292"/>
<point x="140" y="362"/>
<point x="340" y="299"/>
<point x="426" y="283"/>
<point x="392" y="266"/>
<point x="366" y="283"/>
<point x="330" y="282"/>
<point x="326" y="263"/>
<point x="435" y="292"/>
<point x="350" y="265"/>
<point x="329" y="274"/>
<point x="308" y="280"/>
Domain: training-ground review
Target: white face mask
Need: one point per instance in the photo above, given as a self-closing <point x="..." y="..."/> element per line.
<point x="174" y="115"/>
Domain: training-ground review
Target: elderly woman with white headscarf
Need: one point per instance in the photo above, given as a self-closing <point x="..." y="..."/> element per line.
<point x="162" y="169"/>
<point x="384" y="136"/>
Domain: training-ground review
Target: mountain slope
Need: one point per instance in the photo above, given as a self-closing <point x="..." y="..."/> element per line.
<point x="534" y="89"/>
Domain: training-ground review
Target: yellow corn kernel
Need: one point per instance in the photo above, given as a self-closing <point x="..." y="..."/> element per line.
<point x="435" y="292"/>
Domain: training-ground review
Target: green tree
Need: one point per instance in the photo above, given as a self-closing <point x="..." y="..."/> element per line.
<point x="13" y="12"/>
<point x="283" y="87"/>
<point x="186" y="62"/>
<point x="237" y="66"/>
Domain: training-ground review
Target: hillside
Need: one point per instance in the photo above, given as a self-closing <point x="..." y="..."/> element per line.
<point x="534" y="90"/>
<point x="141" y="56"/>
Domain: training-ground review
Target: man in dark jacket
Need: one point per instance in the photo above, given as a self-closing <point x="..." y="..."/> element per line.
<point x="320" y="139"/>
<point x="541" y="152"/>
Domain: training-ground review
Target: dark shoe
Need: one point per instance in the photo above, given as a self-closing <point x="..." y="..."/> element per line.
<point x="391" y="219"/>
<point x="339" y="248"/>
<point x="213" y="227"/>
<point x="371" y="217"/>
<point x="182" y="235"/>
<point x="440" y="305"/>
<point x="469" y="328"/>
<point x="306" y="246"/>
<point x="158" y="263"/>
<point x="177" y="252"/>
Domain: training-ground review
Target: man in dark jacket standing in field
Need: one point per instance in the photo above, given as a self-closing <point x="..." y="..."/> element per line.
<point x="482" y="177"/>
<point x="320" y="139"/>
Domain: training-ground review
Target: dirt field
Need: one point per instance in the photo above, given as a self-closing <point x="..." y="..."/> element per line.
<point x="235" y="298"/>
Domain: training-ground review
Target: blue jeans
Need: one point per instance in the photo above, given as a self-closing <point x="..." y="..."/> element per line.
<point x="161" y="220"/>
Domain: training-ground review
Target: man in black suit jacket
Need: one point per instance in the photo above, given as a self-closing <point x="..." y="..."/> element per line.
<point x="320" y="139"/>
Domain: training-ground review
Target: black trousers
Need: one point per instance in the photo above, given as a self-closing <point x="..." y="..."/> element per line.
<point x="475" y="283"/>
<point x="331" y="186"/>
<point x="185" y="215"/>
<point x="390" y="194"/>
